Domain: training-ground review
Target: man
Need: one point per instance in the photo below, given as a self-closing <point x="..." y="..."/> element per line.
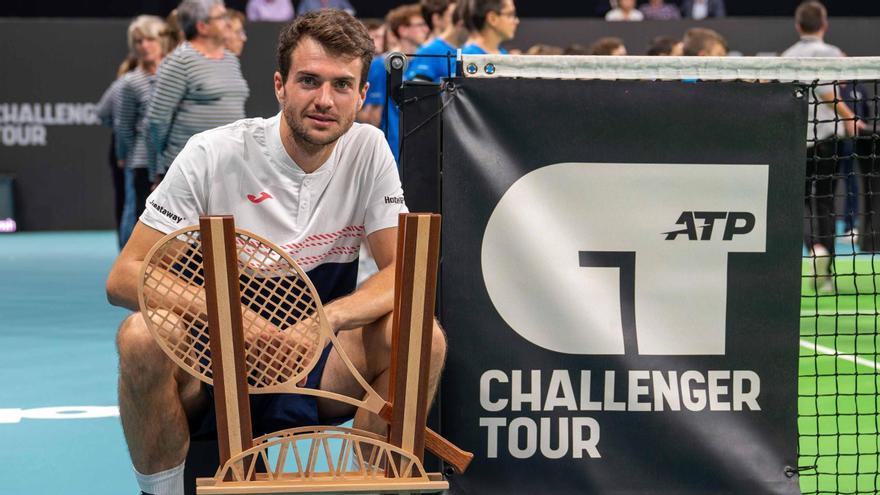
<point x="410" y="31"/>
<point x="437" y="15"/>
<point x="491" y="22"/>
<point x="129" y="111"/>
<point x="664" y="46"/>
<point x="322" y="175"/>
<point x="376" y="28"/>
<point x="199" y="85"/>
<point x="658" y="10"/>
<point x="270" y="10"/>
<point x="625" y="11"/>
<point x="237" y="36"/>
<point x="701" y="9"/>
<point x="428" y="63"/>
<point x="811" y="23"/>
<point x="702" y="42"/>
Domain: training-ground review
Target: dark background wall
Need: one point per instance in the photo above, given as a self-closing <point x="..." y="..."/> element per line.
<point x="65" y="184"/>
<point x="378" y="8"/>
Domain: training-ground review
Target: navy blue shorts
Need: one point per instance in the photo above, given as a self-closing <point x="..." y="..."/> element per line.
<point x="273" y="412"/>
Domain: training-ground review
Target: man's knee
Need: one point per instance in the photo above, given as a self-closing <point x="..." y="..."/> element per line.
<point x="139" y="354"/>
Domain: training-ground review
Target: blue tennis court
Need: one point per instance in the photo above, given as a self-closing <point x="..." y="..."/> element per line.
<point x="57" y="351"/>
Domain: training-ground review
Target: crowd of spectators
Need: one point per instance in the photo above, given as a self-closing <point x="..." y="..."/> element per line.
<point x="183" y="74"/>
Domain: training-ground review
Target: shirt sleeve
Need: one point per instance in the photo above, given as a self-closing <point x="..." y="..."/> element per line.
<point x="104" y="108"/>
<point x="168" y="92"/>
<point x="124" y="119"/>
<point x="181" y="197"/>
<point x="421" y="68"/>
<point x="376" y="78"/>
<point x="386" y="200"/>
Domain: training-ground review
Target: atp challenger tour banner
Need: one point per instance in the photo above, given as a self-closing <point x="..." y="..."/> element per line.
<point x="620" y="285"/>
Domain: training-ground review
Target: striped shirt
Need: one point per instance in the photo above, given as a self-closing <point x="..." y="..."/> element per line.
<point x="104" y="107"/>
<point x="129" y="119"/>
<point x="193" y="94"/>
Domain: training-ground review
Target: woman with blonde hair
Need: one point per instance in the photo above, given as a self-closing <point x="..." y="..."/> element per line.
<point x="145" y="41"/>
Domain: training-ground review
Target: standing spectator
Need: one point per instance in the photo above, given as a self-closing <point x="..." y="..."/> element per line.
<point x="129" y="118"/>
<point x="608" y="46"/>
<point x="306" y="6"/>
<point x="658" y="10"/>
<point x="199" y="86"/>
<point x="625" y="11"/>
<point x="702" y="42"/>
<point x="491" y="22"/>
<point x="811" y="23"/>
<point x="438" y="16"/>
<point x="408" y="26"/>
<point x="410" y="30"/>
<point x="104" y="110"/>
<point x="269" y="10"/>
<point x="701" y="9"/>
<point x="377" y="33"/>
<point x="427" y="65"/>
<point x="237" y="35"/>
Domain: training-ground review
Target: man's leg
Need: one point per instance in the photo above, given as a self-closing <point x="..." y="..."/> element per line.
<point x="155" y="396"/>
<point x="369" y="349"/>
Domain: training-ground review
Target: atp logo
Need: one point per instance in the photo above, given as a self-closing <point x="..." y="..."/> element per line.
<point x="689" y="218"/>
<point x="579" y="258"/>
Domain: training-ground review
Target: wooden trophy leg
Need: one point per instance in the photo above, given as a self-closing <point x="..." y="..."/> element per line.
<point x="418" y="252"/>
<point x="229" y="370"/>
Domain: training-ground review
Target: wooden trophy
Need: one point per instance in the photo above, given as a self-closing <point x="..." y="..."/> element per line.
<point x="236" y="311"/>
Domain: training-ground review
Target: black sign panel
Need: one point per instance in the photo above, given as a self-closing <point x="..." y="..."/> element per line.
<point x="620" y="285"/>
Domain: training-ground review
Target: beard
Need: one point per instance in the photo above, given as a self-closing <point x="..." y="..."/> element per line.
<point x="300" y="133"/>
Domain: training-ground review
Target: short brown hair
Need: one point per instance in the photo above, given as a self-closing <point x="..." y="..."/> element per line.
<point x="400" y="16"/>
<point x="431" y="7"/>
<point x="811" y="16"/>
<point x="542" y="49"/>
<point x="698" y="40"/>
<point x="337" y="31"/>
<point x="237" y="15"/>
<point x="605" y="46"/>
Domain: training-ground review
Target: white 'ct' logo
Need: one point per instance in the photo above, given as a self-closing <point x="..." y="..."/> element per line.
<point x="576" y="258"/>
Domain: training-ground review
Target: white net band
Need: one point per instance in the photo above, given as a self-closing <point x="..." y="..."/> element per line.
<point x="672" y="68"/>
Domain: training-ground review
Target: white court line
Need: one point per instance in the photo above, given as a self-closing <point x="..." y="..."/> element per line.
<point x="16" y="415"/>
<point x="839" y="313"/>
<point x="845" y="357"/>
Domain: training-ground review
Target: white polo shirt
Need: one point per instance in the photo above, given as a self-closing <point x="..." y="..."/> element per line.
<point x="319" y="219"/>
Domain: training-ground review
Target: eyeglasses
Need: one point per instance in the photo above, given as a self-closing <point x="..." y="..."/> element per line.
<point x="223" y="17"/>
<point x="511" y="14"/>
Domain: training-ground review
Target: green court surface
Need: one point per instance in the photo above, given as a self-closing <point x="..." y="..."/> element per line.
<point x="838" y="420"/>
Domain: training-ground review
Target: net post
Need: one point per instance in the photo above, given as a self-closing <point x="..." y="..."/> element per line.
<point x="225" y="330"/>
<point x="418" y="253"/>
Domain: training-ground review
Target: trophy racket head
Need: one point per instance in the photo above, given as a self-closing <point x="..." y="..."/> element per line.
<point x="283" y="320"/>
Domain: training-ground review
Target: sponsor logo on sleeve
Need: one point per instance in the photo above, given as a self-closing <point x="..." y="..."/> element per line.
<point x="394" y="200"/>
<point x="168" y="213"/>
